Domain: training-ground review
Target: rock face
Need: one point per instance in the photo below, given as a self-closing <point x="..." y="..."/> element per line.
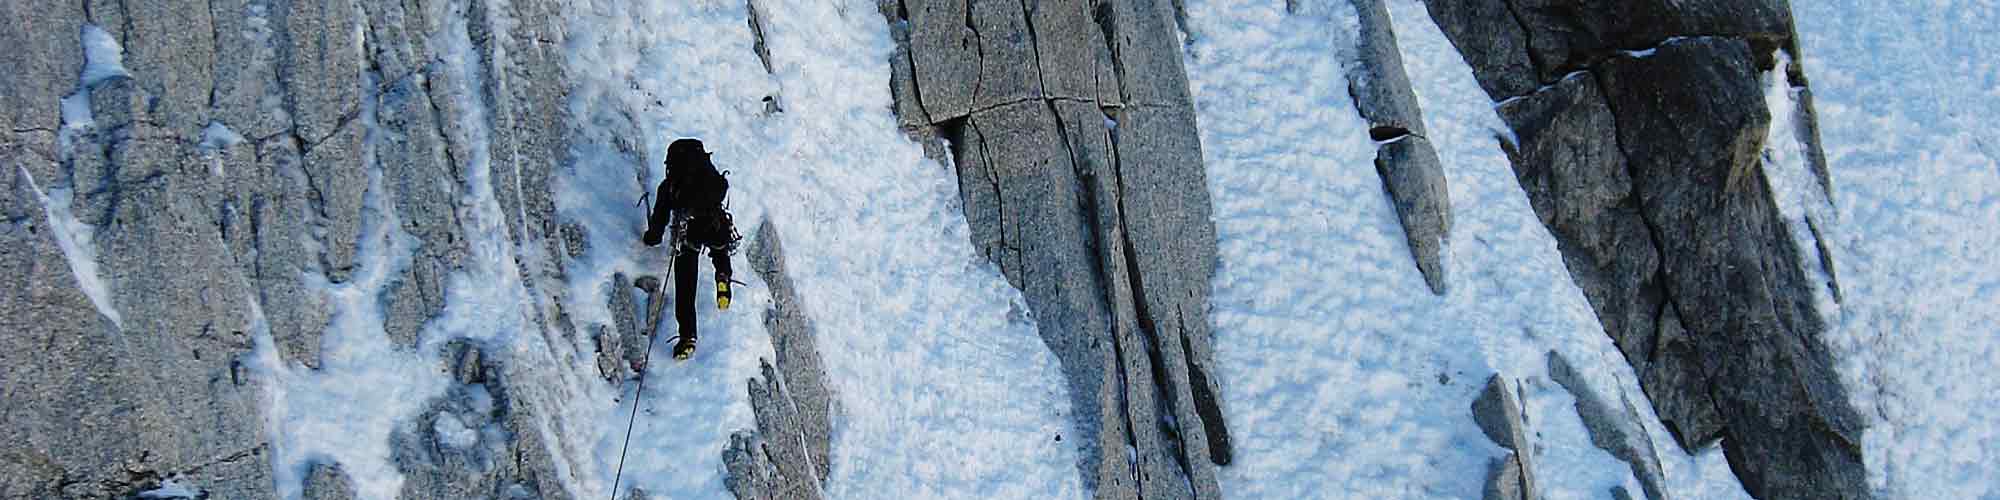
<point x="1639" y="135"/>
<point x="218" y="160"/>
<point x="327" y="482"/>
<point x="1073" y="133"/>
<point x="786" y="458"/>
<point x="1404" y="158"/>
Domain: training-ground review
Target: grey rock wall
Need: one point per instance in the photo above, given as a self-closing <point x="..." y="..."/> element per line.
<point x="195" y="236"/>
<point x="1639" y="132"/>
<point x="1073" y="135"/>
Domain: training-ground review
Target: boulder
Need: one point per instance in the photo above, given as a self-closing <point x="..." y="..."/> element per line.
<point x="1409" y="166"/>
<point x="1498" y="413"/>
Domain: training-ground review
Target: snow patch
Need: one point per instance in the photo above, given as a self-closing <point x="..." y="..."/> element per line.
<point x="174" y="488"/>
<point x="214" y="139"/>
<point x="1793" y="185"/>
<point x="346" y="409"/>
<point x="78" y="243"/>
<point x="452" y="432"/>
<point x="103" y="58"/>
<point x="219" y="136"/>
<point x="76" y="113"/>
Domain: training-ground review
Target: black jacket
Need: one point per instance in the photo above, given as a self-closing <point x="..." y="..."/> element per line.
<point x="694" y="191"/>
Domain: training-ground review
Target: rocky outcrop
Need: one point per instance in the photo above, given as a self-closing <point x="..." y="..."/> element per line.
<point x="1498" y="413"/>
<point x="1614" y="429"/>
<point x="1072" y="130"/>
<point x="212" y="167"/>
<point x="479" y="440"/>
<point x="786" y="458"/>
<point x="1404" y="157"/>
<point x="1638" y="138"/>
<point x="327" y="482"/>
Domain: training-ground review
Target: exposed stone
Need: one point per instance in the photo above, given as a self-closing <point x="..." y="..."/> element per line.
<point x="1113" y="261"/>
<point x="1009" y="72"/>
<point x="1074" y="61"/>
<point x="1620" y="493"/>
<point x="625" y="343"/>
<point x="325" y="481"/>
<point x="1499" y="416"/>
<point x="1650" y="125"/>
<point x="903" y="82"/>
<point x="169" y="49"/>
<point x="797" y="355"/>
<point x="787" y="457"/>
<point x="1615" y="429"/>
<point x="1145" y="43"/>
<point x="44" y="57"/>
<point x="748" y="471"/>
<point x="1171" y="249"/>
<point x="1486" y="34"/>
<point x="1415" y="182"/>
<point x="1504" y="480"/>
<point x="481" y="439"/>
<point x="264" y="221"/>
<point x="944" y="51"/>
<point x="1564" y="35"/>
<point x="1576" y="180"/>
<point x="1377" y="80"/>
<point x="1674" y="379"/>
<point x="1736" y="281"/>
<point x="1405" y="160"/>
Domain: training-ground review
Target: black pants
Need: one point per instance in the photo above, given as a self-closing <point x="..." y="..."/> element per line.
<point x="715" y="234"/>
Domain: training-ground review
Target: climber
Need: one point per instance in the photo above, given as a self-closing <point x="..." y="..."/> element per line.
<point x="692" y="202"/>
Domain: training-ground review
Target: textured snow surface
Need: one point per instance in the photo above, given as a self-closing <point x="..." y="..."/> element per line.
<point x="1346" y="378"/>
<point x="1906" y="98"/>
<point x="944" y="389"/>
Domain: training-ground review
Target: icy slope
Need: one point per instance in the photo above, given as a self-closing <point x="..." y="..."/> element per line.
<point x="943" y="389"/>
<point x="1906" y="99"/>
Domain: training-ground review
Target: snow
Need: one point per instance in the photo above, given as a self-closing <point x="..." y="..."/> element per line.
<point x="219" y="136"/>
<point x="366" y="384"/>
<point x="77" y="241"/>
<point x="1339" y="368"/>
<point x="103" y="58"/>
<point x="938" y="393"/>
<point x="1341" y="374"/>
<point x="1906" y="98"/>
<point x="75" y="238"/>
<point x="1795" y="188"/>
<point x="76" y="113"/>
<point x="452" y="432"/>
<point x="215" y="138"/>
<point x="173" y="488"/>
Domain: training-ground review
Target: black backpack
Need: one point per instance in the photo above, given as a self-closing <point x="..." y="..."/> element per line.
<point x="695" y="183"/>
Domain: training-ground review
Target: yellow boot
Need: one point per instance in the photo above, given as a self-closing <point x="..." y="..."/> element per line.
<point x="722" y="295"/>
